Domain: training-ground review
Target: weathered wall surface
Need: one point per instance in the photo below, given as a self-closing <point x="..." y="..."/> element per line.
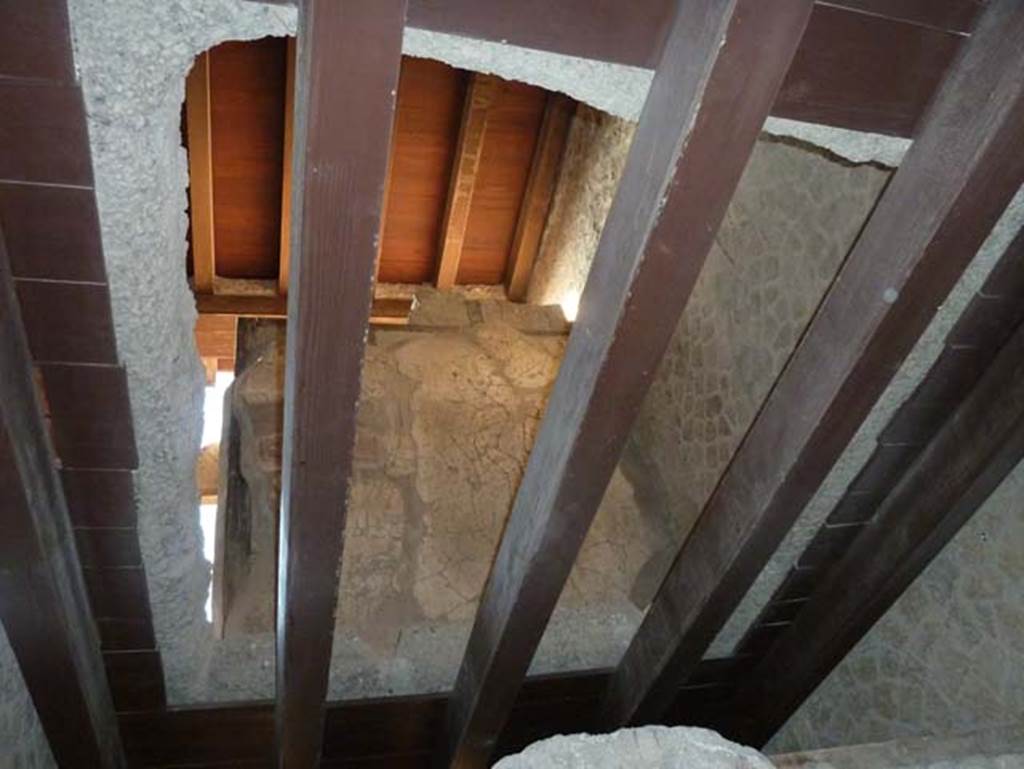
<point x="1001" y="748"/>
<point x="447" y="418"/>
<point x="23" y="744"/>
<point x="793" y="219"/>
<point x="948" y="657"/>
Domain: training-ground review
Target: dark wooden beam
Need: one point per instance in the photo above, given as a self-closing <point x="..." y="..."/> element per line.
<point x="480" y="96"/>
<point x="540" y="190"/>
<point x="43" y="602"/>
<point x="719" y="75"/>
<point x="980" y="443"/>
<point x="347" y="79"/>
<point x="955" y="181"/>
<point x="383" y="312"/>
<point x="901" y="50"/>
<point x="200" y="173"/>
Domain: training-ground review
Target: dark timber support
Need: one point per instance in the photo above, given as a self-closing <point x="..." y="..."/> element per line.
<point x="959" y="175"/>
<point x="347" y="78"/>
<point x="717" y="79"/>
<point x="43" y="602"/>
<point x="981" y="442"/>
<point x="901" y="49"/>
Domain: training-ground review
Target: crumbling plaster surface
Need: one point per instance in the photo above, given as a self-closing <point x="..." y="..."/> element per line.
<point x="447" y="417"/>
<point x="947" y="658"/>
<point x="647" y="747"/>
<point x="1001" y="748"/>
<point x="23" y="743"/>
<point x="133" y="56"/>
<point x="860" y="448"/>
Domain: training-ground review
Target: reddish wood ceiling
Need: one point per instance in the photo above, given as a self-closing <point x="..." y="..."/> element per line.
<point x="247" y="93"/>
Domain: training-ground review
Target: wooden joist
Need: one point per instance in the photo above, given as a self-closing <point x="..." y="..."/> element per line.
<point x="349" y="49"/>
<point x="980" y="443"/>
<point x="383" y="312"/>
<point x="43" y="602"/>
<point x="480" y="96"/>
<point x="954" y="183"/>
<point x="286" y="179"/>
<point x="540" y="189"/>
<point x="200" y="167"/>
<point x="717" y="79"/>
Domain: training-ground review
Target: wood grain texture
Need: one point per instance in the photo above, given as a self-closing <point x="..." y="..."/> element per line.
<point x="872" y="71"/>
<point x="247" y="93"/>
<point x="198" y="111"/>
<point x="90" y="415"/>
<point x="430" y="101"/>
<point x="385" y="312"/>
<point x="865" y="72"/>
<point x="716" y="81"/>
<point x="508" y="150"/>
<point x="351" y="48"/>
<point x="67" y="322"/>
<point x="53" y="233"/>
<point x="284" y="260"/>
<point x="43" y="603"/>
<point x="982" y="441"/>
<point x="540" y="190"/>
<point x="481" y="95"/>
<point x="380" y="732"/>
<point x="954" y="183"/>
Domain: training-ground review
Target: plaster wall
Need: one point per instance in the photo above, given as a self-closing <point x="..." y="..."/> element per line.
<point x="23" y="744"/>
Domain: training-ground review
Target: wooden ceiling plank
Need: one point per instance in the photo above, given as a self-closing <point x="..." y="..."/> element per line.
<point x="717" y="79"/>
<point x="200" y="169"/>
<point x="480" y="97"/>
<point x="286" y="179"/>
<point x="962" y="170"/>
<point x="43" y="602"/>
<point x="540" y="191"/>
<point x="347" y="79"/>
<point x="980" y="443"/>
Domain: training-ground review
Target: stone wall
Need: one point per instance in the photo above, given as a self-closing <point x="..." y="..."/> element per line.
<point x="448" y="413"/>
<point x="1001" y="748"/>
<point x="794" y="217"/>
<point x="947" y="658"/>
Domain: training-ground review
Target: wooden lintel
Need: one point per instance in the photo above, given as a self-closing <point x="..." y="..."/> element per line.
<point x="200" y="165"/>
<point x="286" y="180"/>
<point x="540" y="190"/>
<point x="480" y="96"/>
<point x="43" y="602"/>
<point x="346" y="83"/>
<point x="717" y="79"/>
<point x="962" y="170"/>
<point x="383" y="312"/>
